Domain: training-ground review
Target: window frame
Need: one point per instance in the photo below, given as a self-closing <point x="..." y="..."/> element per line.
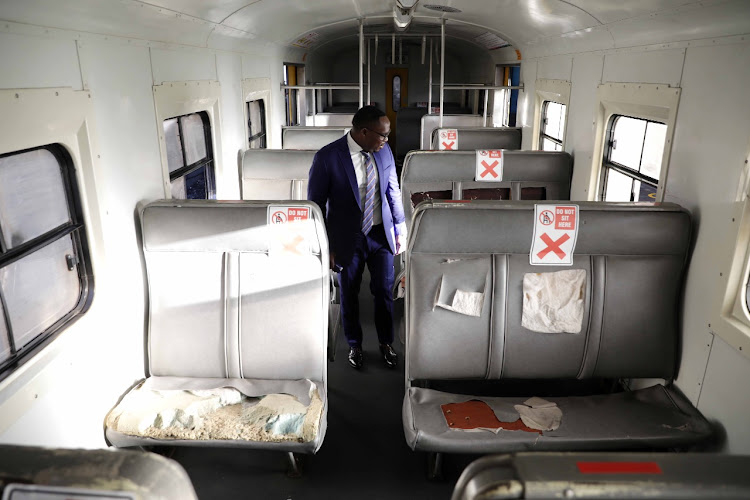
<point x="173" y="99"/>
<point x="207" y="161"/>
<point x="68" y="119"/>
<point x="730" y="318"/>
<point x="262" y="134"/>
<point x="543" y="121"/>
<point x="549" y="90"/>
<point x="653" y="102"/>
<point x="608" y="164"/>
<point x="75" y="228"/>
<point x="254" y="89"/>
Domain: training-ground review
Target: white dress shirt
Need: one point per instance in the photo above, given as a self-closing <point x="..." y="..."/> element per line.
<point x="355" y="150"/>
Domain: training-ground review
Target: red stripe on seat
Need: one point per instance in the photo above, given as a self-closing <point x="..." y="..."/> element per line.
<point x="619" y="468"/>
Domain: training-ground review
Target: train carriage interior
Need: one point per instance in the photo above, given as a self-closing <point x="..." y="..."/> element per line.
<point x="571" y="309"/>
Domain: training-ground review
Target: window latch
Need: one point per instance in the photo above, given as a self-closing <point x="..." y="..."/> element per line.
<point x="72" y="261"/>
<point x="613" y="143"/>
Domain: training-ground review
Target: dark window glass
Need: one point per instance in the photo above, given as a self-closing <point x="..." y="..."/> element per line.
<point x="45" y="273"/>
<point x="256" y="124"/>
<point x="190" y="156"/>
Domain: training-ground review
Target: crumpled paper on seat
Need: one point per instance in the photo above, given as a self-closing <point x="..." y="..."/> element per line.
<point x="553" y="302"/>
<point x="463" y="302"/>
<point x="540" y="414"/>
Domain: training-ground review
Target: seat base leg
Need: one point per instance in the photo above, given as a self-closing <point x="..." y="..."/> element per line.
<point x="293" y="465"/>
<point x="434" y="466"/>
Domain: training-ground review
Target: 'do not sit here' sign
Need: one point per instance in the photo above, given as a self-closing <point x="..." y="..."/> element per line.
<point x="489" y="164"/>
<point x="290" y="233"/>
<point x="447" y="139"/>
<point x="555" y="235"/>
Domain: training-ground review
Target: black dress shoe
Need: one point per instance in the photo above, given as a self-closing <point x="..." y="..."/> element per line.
<point x="355" y="357"/>
<point x="389" y="355"/>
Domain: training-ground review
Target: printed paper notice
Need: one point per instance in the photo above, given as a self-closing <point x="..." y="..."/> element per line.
<point x="555" y="235"/>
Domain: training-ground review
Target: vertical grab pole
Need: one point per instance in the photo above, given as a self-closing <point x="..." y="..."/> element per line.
<point x="314" y="104"/>
<point x="486" y="102"/>
<point x="393" y="49"/>
<point x="369" y="84"/>
<point x="361" y="61"/>
<point x="429" y="84"/>
<point x="442" y="68"/>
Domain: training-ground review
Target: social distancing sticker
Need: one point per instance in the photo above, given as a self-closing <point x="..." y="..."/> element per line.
<point x="448" y="139"/>
<point x="489" y="165"/>
<point x="555" y="235"/>
<point x="289" y="229"/>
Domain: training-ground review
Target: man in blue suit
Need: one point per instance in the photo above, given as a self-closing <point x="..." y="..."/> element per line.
<point x="353" y="180"/>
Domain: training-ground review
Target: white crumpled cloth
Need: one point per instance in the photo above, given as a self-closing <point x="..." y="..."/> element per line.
<point x="553" y="302"/>
<point x="540" y="414"/>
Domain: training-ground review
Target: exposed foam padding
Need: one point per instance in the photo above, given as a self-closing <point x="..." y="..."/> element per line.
<point x="223" y="413"/>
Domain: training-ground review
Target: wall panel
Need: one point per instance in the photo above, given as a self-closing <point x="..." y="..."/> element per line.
<point x="35" y="62"/>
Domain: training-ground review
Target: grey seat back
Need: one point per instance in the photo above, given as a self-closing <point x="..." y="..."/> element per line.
<point x="310" y="137"/>
<point x="431" y="122"/>
<point x="633" y="255"/>
<point x="449" y="175"/>
<point x="334" y="117"/>
<point x="275" y="174"/>
<point x="611" y="475"/>
<point x="482" y="138"/>
<point x="232" y="296"/>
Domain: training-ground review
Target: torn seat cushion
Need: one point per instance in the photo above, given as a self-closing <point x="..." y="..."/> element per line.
<point x="655" y="417"/>
<point x="220" y="412"/>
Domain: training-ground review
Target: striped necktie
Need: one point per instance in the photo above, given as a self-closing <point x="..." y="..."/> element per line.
<point x="369" y="194"/>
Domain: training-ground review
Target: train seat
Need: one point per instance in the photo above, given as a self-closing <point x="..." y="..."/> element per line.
<point x="67" y="474"/>
<point x="606" y="475"/>
<point x="431" y="122"/>
<point x="451" y="175"/>
<point x="632" y="258"/>
<point x="472" y="138"/>
<point x="282" y="174"/>
<point x="331" y="119"/>
<point x="236" y="328"/>
<point x="310" y="137"/>
<point x="275" y="174"/>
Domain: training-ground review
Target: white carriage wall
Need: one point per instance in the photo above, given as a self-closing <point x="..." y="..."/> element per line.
<point x="61" y="397"/>
<point x="710" y="146"/>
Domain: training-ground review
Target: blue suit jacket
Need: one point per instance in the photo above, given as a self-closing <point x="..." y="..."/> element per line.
<point x="333" y="186"/>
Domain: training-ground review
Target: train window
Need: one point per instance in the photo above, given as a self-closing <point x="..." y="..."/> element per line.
<point x="634" y="124"/>
<point x="190" y="157"/>
<point x="256" y="124"/>
<point x="552" y="126"/>
<point x="45" y="278"/>
<point x="396" y="93"/>
<point x="633" y="159"/>
<point x="551" y="99"/>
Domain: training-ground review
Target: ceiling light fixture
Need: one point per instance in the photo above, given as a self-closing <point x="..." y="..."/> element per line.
<point x="402" y="13"/>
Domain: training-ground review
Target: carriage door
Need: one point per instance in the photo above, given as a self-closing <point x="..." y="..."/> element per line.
<point x="396" y="80"/>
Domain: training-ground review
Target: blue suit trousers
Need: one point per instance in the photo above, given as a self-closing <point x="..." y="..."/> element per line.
<point x="371" y="249"/>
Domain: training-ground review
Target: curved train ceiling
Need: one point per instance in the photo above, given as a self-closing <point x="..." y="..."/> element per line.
<point x="541" y="26"/>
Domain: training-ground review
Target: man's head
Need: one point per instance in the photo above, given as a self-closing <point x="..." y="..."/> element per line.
<point x="370" y="128"/>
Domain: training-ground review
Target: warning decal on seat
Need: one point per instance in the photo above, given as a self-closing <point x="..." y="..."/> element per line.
<point x="489" y="165"/>
<point x="447" y="139"/>
<point x="555" y="235"/>
<point x="290" y="231"/>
